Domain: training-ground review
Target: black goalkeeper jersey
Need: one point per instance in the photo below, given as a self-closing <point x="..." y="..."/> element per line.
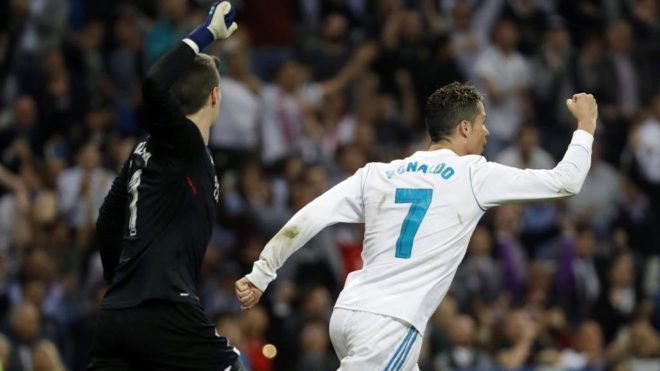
<point x="156" y="221"/>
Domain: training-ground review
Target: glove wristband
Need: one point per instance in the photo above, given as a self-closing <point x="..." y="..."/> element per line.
<point x="201" y="36"/>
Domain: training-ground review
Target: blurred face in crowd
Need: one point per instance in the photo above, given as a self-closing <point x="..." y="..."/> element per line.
<point x="5" y="349"/>
<point x="25" y="321"/>
<point x="463" y="330"/>
<point x="446" y="312"/>
<point x="25" y="112"/>
<point x="30" y="177"/>
<point x="229" y="327"/>
<point x="288" y="76"/>
<point x="351" y="159"/>
<point x="585" y="243"/>
<point x="462" y="15"/>
<point x="558" y="38"/>
<point x="45" y="357"/>
<point x="335" y="27"/>
<point x="412" y="25"/>
<point x="314" y="338"/>
<point x="254" y="323"/>
<point x="655" y="107"/>
<point x="317" y="304"/>
<point x="334" y="106"/>
<point x="528" y="139"/>
<point x="620" y="37"/>
<point x="53" y="63"/>
<point x="622" y="273"/>
<point x="89" y="157"/>
<point x="480" y="242"/>
<point x="506" y="36"/>
<point x="515" y="325"/>
<point x="174" y="10"/>
<point x="478" y="135"/>
<point x="237" y="62"/>
<point x="590" y="338"/>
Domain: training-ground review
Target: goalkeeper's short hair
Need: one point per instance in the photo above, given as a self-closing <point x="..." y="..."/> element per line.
<point x="193" y="88"/>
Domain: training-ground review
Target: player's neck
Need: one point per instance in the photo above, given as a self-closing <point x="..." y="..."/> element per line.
<point x="203" y="123"/>
<point x="450" y="145"/>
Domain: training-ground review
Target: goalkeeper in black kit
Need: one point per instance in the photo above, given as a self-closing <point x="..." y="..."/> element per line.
<point x="156" y="221"/>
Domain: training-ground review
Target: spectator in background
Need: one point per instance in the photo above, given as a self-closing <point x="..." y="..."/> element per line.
<point x="45" y="357"/>
<point x="23" y="124"/>
<point x="505" y="76"/>
<point x="530" y="18"/>
<point x="463" y="354"/>
<point x="24" y="322"/>
<point x="479" y="276"/>
<point x="598" y="206"/>
<point x="28" y="207"/>
<point x="235" y="135"/>
<point x="637" y="218"/>
<point x="5" y="351"/>
<point x="125" y="62"/>
<point x="171" y="25"/>
<point x="577" y="282"/>
<point x="288" y="105"/>
<point x="551" y="67"/>
<point x="526" y="152"/>
<point x="509" y="250"/>
<point x="271" y="28"/>
<point x="439" y="327"/>
<point x="618" y="300"/>
<point x="254" y="324"/>
<point x="638" y="344"/>
<point x="315" y="354"/>
<point x="43" y="30"/>
<point x="81" y="189"/>
<point x="644" y="146"/>
<point x="518" y="336"/>
<point x="589" y="353"/>
<point x="69" y="73"/>
<point x="327" y="54"/>
<point x="230" y="326"/>
<point x="469" y="34"/>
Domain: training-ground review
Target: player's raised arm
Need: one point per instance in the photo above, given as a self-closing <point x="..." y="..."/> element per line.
<point x="161" y="104"/>
<point x="341" y="204"/>
<point x="494" y="184"/>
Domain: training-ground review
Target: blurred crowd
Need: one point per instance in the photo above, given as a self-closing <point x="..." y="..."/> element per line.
<point x="312" y="90"/>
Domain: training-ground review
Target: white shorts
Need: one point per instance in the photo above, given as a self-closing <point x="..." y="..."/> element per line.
<point x="368" y="341"/>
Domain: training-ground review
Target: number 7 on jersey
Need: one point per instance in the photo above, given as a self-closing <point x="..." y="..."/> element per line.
<point x="420" y="200"/>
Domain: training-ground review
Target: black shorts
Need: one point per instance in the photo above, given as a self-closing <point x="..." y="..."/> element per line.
<point x="159" y="335"/>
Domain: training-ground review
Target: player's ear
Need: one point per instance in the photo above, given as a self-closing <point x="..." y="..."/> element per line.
<point x="215" y="96"/>
<point x="464" y="128"/>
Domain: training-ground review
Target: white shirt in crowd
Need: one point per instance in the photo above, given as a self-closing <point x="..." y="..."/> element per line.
<point x="80" y="208"/>
<point x="419" y="215"/>
<point x="538" y="158"/>
<point x="240" y="112"/>
<point x="283" y="122"/>
<point x="647" y="149"/>
<point x="507" y="74"/>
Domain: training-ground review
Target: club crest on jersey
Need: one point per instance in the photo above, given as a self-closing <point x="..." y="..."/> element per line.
<point x="441" y="169"/>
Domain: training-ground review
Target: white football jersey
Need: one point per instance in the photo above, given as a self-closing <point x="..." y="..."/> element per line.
<point x="419" y="215"/>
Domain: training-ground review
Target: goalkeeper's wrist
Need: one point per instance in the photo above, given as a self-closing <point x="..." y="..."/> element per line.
<point x="201" y="36"/>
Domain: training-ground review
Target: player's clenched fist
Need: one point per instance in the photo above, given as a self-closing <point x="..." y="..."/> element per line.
<point x="248" y="295"/>
<point x="584" y="108"/>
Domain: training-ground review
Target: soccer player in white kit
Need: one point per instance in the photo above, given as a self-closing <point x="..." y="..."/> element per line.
<point x="419" y="214"/>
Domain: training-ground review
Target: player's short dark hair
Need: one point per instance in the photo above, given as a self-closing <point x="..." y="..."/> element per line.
<point x="448" y="106"/>
<point x="193" y="88"/>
